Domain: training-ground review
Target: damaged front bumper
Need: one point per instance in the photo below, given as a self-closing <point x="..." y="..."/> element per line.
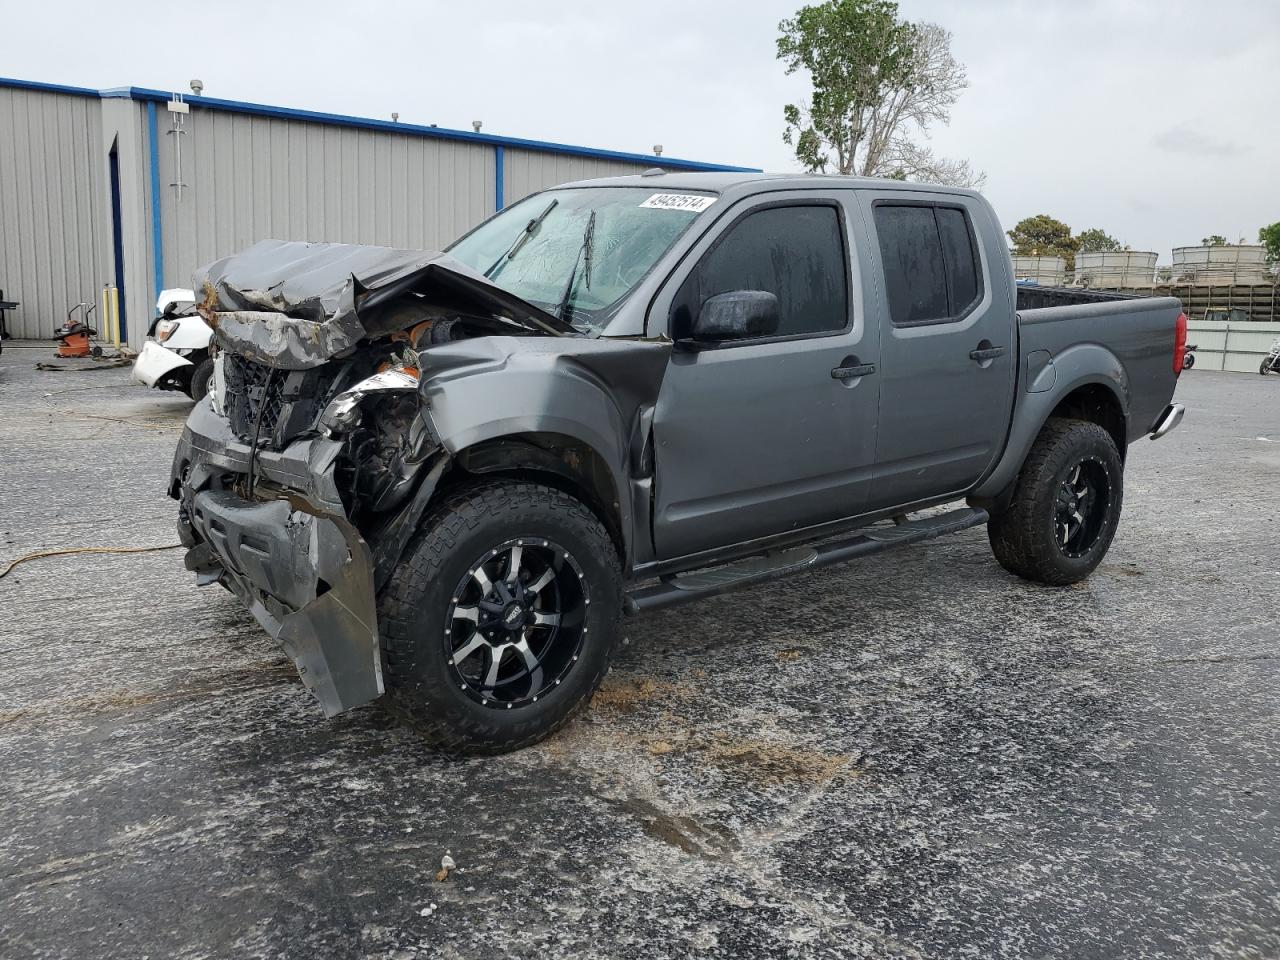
<point x="155" y="363"/>
<point x="290" y="554"/>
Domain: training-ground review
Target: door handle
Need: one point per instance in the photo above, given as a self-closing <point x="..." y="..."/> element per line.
<point x="853" y="370"/>
<point x="983" y="354"/>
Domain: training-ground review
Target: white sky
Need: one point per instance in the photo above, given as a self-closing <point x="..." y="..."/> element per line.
<point x="1157" y="120"/>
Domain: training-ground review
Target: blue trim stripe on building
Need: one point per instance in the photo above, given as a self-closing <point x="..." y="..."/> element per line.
<point x="157" y="236"/>
<point x="410" y="129"/>
<point x="499" y="176"/>
<point x="49" y="87"/>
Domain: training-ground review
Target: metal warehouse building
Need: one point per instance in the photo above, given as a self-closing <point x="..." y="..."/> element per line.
<point x="137" y="187"/>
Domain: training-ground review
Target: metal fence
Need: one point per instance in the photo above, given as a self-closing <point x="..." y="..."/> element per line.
<point x="1231" y="346"/>
<point x="1256" y="302"/>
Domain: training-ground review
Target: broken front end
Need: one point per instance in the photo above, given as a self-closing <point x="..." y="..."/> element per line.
<point x="303" y="475"/>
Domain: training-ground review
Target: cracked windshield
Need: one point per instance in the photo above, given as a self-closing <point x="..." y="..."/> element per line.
<point x="577" y="254"/>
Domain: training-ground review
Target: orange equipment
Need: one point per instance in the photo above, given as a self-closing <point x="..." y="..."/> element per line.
<point x="74" y="335"/>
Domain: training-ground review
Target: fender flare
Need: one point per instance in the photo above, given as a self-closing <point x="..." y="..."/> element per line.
<point x="1082" y="365"/>
<point x="591" y="391"/>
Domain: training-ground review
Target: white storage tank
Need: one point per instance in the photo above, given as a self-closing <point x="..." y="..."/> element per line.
<point x="1243" y="263"/>
<point x="1046" y="271"/>
<point x="1115" y="268"/>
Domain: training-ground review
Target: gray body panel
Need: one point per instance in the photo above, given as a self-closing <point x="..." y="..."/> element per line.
<point x="1125" y="346"/>
<point x="790" y="444"/>
<point x="693" y="456"/>
<point x="943" y="418"/>
<point x="593" y="391"/>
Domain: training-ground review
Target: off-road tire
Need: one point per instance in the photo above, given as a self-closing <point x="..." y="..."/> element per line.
<point x="1023" y="535"/>
<point x="421" y="689"/>
<point x="198" y="387"/>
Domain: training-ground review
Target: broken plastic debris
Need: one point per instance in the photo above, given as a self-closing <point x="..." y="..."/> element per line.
<point x="446" y="864"/>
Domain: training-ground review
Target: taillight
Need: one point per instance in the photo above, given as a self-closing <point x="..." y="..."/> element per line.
<point x="1179" y="343"/>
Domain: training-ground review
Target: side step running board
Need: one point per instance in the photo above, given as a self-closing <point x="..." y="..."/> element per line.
<point x="699" y="584"/>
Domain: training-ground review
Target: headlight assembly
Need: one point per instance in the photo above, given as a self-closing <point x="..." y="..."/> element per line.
<point x="342" y="415"/>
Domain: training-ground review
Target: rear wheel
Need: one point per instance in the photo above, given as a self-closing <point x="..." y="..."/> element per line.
<point x="500" y="622"/>
<point x="1065" y="506"/>
<point x="1265" y="368"/>
<point x="1188" y="361"/>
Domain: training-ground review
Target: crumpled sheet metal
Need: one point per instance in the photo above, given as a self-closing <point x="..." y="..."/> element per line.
<point x="296" y="305"/>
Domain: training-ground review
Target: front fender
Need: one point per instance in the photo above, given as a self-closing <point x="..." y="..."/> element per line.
<point x="1040" y="390"/>
<point x="589" y="389"/>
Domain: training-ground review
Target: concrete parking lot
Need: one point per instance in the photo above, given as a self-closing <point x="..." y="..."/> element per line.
<point x="915" y="755"/>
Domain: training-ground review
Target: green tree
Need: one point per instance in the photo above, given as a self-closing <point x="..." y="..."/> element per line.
<point x="1044" y="236"/>
<point x="1269" y="237"/>
<point x="1095" y="239"/>
<point x="1217" y="240"/>
<point x="877" y="80"/>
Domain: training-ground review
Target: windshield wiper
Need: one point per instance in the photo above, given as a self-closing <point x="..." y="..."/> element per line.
<point x="519" y="241"/>
<point x="584" y="254"/>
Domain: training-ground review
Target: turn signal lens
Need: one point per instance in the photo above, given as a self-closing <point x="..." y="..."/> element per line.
<point x="164" y="329"/>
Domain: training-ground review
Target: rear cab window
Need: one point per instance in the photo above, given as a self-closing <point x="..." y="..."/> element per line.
<point x="929" y="254"/>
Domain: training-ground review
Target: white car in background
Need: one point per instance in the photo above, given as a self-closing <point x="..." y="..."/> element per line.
<point x="176" y="354"/>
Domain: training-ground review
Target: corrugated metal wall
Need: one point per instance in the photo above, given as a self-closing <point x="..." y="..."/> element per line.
<point x="528" y="171"/>
<point x="124" y="126"/>
<point x="248" y="172"/>
<point x="249" y="178"/>
<point x="54" y="216"/>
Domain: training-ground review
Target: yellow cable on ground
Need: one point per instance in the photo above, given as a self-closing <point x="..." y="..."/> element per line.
<point x="70" y="550"/>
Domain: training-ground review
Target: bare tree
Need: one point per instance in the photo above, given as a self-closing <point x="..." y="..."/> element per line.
<point x="879" y="84"/>
<point x="912" y="161"/>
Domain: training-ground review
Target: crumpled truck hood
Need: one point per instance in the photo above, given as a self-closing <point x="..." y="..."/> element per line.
<point x="296" y="305"/>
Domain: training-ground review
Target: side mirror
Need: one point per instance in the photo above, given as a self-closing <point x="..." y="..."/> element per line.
<point x="737" y="315"/>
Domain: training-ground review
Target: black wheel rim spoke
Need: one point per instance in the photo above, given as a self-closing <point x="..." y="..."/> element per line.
<point x="516" y="623"/>
<point x="1081" y="506"/>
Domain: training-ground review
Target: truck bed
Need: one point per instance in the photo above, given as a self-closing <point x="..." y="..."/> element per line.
<point x="1123" y="340"/>
<point x="1032" y="297"/>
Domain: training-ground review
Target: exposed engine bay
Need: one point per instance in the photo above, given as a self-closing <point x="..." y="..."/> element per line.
<point x="284" y="312"/>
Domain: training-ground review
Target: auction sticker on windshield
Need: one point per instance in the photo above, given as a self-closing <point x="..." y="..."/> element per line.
<point x="679" y="201"/>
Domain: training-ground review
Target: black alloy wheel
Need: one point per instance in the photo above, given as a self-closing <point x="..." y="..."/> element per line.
<point x="1082" y="505"/>
<point x="1064" y="507"/>
<point x="516" y="623"/>
<point x="500" y="620"/>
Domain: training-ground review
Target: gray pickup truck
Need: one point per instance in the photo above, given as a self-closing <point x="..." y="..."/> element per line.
<point x="445" y="477"/>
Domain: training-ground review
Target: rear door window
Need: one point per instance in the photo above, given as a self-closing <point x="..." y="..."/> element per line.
<point x="964" y="279"/>
<point x="930" y="261"/>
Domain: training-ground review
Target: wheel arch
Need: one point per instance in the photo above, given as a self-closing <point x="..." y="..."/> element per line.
<point x="1097" y="403"/>
<point x="1096" y="397"/>
<point x="558" y="460"/>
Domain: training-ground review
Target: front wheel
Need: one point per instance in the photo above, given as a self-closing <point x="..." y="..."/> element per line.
<point x="1065" y="506"/>
<point x="201" y="380"/>
<point x="1265" y="368"/>
<point x="500" y="621"/>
